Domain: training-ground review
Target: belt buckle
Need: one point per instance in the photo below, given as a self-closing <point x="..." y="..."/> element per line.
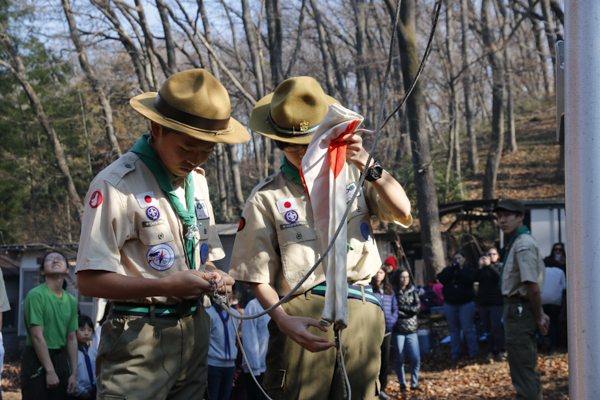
<point x="184" y="309"/>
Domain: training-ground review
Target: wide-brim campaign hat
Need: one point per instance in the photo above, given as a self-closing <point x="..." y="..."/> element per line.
<point x="293" y="112"/>
<point x="195" y="103"/>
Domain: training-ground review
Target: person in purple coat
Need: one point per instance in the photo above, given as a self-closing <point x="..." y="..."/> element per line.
<point x="383" y="290"/>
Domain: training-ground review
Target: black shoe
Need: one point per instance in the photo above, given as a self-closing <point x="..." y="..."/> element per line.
<point x="403" y="388"/>
<point x="416" y="388"/>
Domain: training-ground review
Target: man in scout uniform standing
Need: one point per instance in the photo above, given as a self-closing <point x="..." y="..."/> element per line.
<point x="276" y="245"/>
<point x="148" y="239"/>
<point x="522" y="282"/>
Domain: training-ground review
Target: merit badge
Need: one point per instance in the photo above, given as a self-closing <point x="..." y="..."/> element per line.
<point x="146" y="199"/>
<point x="201" y="210"/>
<point x="350" y="189"/>
<point x="286" y="205"/>
<point x="96" y="199"/>
<point x="291" y="216"/>
<point x="203" y="253"/>
<point x="364" y="229"/>
<point x="152" y="213"/>
<point x="242" y="224"/>
<point x="161" y="257"/>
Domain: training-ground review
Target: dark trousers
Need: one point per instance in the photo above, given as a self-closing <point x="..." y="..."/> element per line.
<point x="220" y="382"/>
<point x="33" y="375"/>
<point x="552" y="310"/>
<point x="491" y="318"/>
<point x="254" y="392"/>
<point x="521" y="345"/>
<point x="385" y="361"/>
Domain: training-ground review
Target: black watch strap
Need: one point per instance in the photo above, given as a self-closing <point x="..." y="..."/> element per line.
<point x="374" y="172"/>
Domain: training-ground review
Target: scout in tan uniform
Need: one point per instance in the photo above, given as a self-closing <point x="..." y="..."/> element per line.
<point x="276" y="245"/>
<point x="148" y="240"/>
<point x="522" y="282"/>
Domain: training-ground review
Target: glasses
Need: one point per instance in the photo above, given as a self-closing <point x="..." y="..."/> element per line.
<point x="52" y="259"/>
<point x="290" y="147"/>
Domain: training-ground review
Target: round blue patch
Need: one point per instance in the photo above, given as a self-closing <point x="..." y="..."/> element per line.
<point x="203" y="253"/>
<point x="291" y="216"/>
<point x="152" y="213"/>
<point x="364" y="229"/>
<point x="161" y="257"/>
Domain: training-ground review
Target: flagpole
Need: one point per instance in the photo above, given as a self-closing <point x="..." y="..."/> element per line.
<point x="582" y="189"/>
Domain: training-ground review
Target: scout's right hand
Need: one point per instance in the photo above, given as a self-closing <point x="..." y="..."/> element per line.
<point x="191" y="283"/>
<point x="52" y="380"/>
<point x="296" y="329"/>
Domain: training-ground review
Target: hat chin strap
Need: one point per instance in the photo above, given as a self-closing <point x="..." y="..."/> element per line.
<point x="195" y="121"/>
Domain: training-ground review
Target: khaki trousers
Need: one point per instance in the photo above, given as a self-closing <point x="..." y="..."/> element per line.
<point x="295" y="373"/>
<point x="165" y="360"/>
<point x="521" y="346"/>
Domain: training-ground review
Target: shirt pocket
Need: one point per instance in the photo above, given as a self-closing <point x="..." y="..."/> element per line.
<point x="154" y="235"/>
<point x="298" y="248"/>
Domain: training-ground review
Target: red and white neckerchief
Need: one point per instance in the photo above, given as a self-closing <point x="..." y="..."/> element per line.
<point x="324" y="173"/>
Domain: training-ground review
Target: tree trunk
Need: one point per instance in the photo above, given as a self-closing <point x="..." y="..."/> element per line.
<point x="252" y="39"/>
<point x="510" y="108"/>
<point x="235" y="179"/>
<point x="222" y="183"/>
<point x="497" y="136"/>
<point x="18" y="70"/>
<point x="169" y="42"/>
<point x="362" y="74"/>
<point x="92" y="79"/>
<point x="473" y="158"/>
<point x="275" y="34"/>
<point x="236" y="47"/>
<point x="537" y="35"/>
<point x="214" y="69"/>
<point x="550" y="33"/>
<point x="432" y="248"/>
<point x="324" y="47"/>
<point x="152" y="51"/>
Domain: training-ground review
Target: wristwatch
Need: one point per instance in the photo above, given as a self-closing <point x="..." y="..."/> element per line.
<point x="374" y="172"/>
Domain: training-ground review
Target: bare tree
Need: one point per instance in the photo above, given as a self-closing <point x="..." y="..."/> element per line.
<point x="473" y="157"/>
<point x="16" y="67"/>
<point x="92" y="79"/>
<point x="169" y="42"/>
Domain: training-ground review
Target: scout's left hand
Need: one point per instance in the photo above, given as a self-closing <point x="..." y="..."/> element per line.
<point x="543" y="324"/>
<point x="72" y="384"/>
<point x="355" y="152"/>
<point x="225" y="278"/>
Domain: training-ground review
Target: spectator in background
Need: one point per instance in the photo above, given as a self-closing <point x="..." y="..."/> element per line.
<point x="490" y="302"/>
<point x="389" y="266"/>
<point x="557" y="257"/>
<point x="405" y="337"/>
<point x="554" y="286"/>
<point x="86" y="360"/>
<point x="459" y="305"/>
<point x="383" y="290"/>
<point x="221" y="353"/>
<point x="255" y="338"/>
<point x="48" y="365"/>
<point x="4" y="306"/>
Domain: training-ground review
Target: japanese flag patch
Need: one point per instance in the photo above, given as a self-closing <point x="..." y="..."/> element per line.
<point x="286" y="205"/>
<point x="146" y="199"/>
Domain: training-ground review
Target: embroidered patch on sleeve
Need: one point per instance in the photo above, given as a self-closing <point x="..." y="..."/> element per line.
<point x="523" y="249"/>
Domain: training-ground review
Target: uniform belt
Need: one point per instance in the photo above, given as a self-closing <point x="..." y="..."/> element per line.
<point x="179" y="310"/>
<point x="515" y="299"/>
<point x="354" y="292"/>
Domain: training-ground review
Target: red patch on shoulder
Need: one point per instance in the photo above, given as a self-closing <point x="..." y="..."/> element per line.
<point x="96" y="199"/>
<point x="242" y="224"/>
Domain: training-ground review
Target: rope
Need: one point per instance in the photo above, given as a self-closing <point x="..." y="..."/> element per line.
<point x="222" y="300"/>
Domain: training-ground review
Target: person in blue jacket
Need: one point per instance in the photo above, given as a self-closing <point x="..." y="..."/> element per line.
<point x="383" y="290"/>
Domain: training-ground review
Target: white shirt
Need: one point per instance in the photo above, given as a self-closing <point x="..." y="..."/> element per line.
<point x="554" y="286"/>
<point x="255" y="337"/>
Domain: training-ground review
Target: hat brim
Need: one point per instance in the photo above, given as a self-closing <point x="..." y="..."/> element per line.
<point x="144" y="104"/>
<point x="259" y="123"/>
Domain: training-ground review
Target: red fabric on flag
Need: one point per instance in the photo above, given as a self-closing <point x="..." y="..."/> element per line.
<point x="337" y="150"/>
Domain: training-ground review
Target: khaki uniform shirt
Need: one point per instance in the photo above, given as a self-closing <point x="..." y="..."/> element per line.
<point x="270" y="249"/>
<point x="129" y="226"/>
<point x="524" y="264"/>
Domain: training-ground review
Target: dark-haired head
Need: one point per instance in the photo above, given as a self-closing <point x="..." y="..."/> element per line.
<point x="557" y="248"/>
<point x="52" y="257"/>
<point x="85" y="320"/>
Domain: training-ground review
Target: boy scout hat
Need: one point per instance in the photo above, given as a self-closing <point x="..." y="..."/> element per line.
<point x="193" y="102"/>
<point x="510" y="205"/>
<point x="293" y="112"/>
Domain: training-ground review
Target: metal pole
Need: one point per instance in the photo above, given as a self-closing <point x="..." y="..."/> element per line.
<point x="582" y="187"/>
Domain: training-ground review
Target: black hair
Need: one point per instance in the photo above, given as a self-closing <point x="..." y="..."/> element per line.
<point x="64" y="285"/>
<point x="461" y="252"/>
<point x="400" y="271"/>
<point x="85" y="320"/>
<point x="281" y="145"/>
<point x="387" y="287"/>
<point x="562" y="245"/>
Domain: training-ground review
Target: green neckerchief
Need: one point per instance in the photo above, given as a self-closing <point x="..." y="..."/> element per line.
<point x="521" y="231"/>
<point x="290" y="171"/>
<point x="147" y="155"/>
